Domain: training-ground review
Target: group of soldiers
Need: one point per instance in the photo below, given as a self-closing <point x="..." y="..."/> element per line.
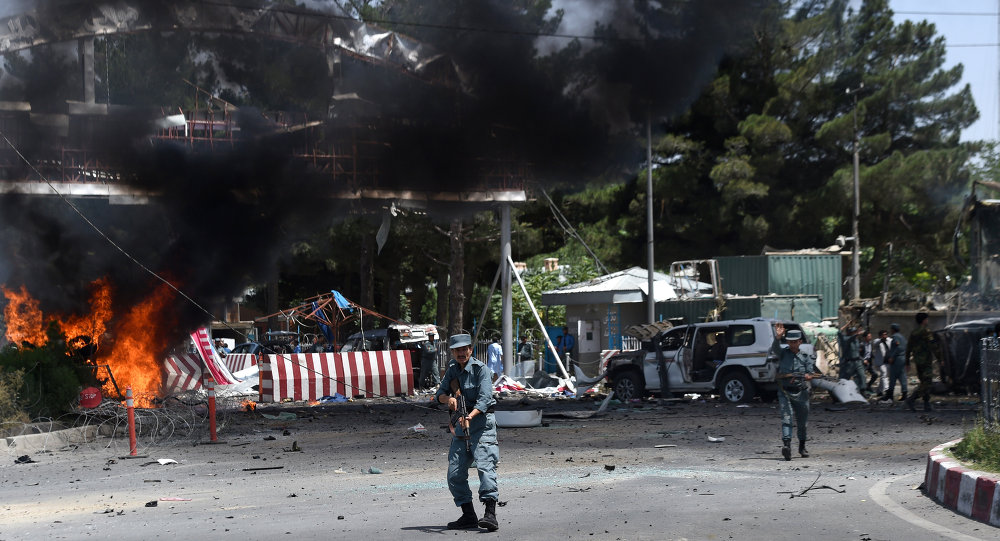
<point x="883" y="360"/>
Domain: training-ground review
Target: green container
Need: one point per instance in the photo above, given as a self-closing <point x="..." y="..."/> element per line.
<point x="785" y="274"/>
<point x="790" y="307"/>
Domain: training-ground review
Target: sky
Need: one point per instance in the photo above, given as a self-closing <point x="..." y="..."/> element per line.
<point x="970" y="31"/>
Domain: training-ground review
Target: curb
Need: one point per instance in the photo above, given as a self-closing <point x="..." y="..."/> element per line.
<point x="972" y="493"/>
<point x="50" y="441"/>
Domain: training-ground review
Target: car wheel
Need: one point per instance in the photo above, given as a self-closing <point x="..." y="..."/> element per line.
<point x="737" y="388"/>
<point x="627" y="385"/>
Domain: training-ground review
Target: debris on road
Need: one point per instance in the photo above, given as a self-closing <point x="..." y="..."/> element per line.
<point x="23" y="459"/>
<point x="812" y="487"/>
<point x="282" y="416"/>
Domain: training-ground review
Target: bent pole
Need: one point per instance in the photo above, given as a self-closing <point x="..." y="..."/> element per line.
<point x="486" y="306"/>
<point x="552" y="347"/>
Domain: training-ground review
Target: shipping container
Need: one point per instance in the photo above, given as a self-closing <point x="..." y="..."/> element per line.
<point x="785" y="274"/>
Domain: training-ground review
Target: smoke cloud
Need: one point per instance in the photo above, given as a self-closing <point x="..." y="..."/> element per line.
<point x="564" y="109"/>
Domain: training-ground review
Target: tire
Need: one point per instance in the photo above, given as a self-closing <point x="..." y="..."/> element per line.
<point x="627" y="385"/>
<point x="737" y="387"/>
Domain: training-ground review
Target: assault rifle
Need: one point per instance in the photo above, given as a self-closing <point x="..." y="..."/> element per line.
<point x="460" y="413"/>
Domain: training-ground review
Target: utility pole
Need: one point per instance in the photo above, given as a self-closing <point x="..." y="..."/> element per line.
<point x="650" y="298"/>
<point x="855" y="253"/>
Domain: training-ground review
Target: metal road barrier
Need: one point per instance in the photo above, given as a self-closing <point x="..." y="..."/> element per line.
<point x="989" y="370"/>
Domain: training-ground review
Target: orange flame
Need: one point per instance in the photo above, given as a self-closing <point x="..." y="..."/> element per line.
<point x="93" y="324"/>
<point x="135" y="358"/>
<point x="23" y="317"/>
<point x="138" y="337"/>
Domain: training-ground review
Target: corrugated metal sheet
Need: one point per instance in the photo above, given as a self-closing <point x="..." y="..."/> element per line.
<point x="690" y="310"/>
<point x="785" y="274"/>
<point x="744" y="275"/>
<point x="810" y="275"/>
<point x="796" y="308"/>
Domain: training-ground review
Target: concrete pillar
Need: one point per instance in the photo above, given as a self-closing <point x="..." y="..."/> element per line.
<point x="85" y="47"/>
<point x="507" y="306"/>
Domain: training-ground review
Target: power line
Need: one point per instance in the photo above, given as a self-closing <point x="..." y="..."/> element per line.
<point x="118" y="247"/>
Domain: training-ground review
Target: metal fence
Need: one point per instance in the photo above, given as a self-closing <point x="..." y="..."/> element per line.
<point x="989" y="370"/>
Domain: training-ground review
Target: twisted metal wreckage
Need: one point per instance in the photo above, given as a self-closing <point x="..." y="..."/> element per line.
<point x="54" y="22"/>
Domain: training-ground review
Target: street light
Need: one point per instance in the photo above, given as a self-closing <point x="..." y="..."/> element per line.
<point x="855" y="264"/>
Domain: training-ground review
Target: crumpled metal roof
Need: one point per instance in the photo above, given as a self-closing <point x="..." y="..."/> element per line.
<point x="66" y="20"/>
<point x="629" y="285"/>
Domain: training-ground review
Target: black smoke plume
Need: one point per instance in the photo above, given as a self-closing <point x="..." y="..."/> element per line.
<point x="562" y="108"/>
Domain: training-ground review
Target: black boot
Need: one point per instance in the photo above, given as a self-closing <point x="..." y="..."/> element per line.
<point x="786" y="449"/>
<point x="904" y="396"/>
<point x="909" y="402"/>
<point x="467" y="520"/>
<point x="927" y="405"/>
<point x="489" y="520"/>
<point x="802" y="449"/>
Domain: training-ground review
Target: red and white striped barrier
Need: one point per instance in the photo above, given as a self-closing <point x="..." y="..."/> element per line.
<point x="310" y="376"/>
<point x="972" y="493"/>
<point x="203" y="345"/>
<point x="184" y="373"/>
<point x="237" y="362"/>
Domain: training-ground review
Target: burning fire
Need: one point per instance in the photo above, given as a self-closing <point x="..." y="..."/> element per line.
<point x="137" y="337"/>
<point x="135" y="359"/>
<point x="23" y="317"/>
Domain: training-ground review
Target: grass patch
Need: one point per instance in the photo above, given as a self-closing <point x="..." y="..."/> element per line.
<point x="979" y="448"/>
<point x="12" y="415"/>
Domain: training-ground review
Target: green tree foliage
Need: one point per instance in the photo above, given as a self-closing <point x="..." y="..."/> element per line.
<point x="764" y="155"/>
<point x="12" y="414"/>
<point x="573" y="269"/>
<point x="50" y="377"/>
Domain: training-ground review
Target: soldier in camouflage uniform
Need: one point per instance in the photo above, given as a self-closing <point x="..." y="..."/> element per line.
<point x="896" y="359"/>
<point x="851" y="364"/>
<point x="920" y="351"/>
<point x="795" y="369"/>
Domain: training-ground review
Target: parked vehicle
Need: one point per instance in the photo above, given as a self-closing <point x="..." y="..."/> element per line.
<point x="275" y="342"/>
<point x="731" y="358"/>
<point x="246" y="347"/>
<point x="396" y="336"/>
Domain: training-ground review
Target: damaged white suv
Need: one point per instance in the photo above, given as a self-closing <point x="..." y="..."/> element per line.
<point x="731" y="358"/>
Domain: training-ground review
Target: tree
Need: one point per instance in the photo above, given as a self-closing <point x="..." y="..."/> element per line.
<point x="763" y="156"/>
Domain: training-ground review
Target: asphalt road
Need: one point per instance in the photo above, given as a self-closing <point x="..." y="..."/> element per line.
<point x="634" y="472"/>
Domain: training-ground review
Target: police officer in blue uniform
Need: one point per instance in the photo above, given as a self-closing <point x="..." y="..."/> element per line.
<point x="795" y="369"/>
<point x="474" y="384"/>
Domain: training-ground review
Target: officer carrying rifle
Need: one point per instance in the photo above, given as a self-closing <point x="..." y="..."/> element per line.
<point x="468" y="384"/>
<point x="795" y="369"/>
